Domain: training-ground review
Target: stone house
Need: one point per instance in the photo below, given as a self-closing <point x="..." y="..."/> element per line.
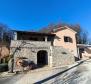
<point x="4" y="53"/>
<point x="84" y="51"/>
<point x="57" y="48"/>
<point x="66" y="37"/>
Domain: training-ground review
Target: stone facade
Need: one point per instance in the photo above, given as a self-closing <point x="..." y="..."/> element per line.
<point x="61" y="56"/>
<point x="56" y="55"/>
<point x="29" y="49"/>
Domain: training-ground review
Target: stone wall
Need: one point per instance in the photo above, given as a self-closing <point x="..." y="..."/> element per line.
<point x="29" y="49"/>
<point x="61" y="56"/>
<point x="56" y="55"/>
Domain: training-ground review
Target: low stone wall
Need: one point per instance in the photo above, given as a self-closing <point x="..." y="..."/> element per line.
<point x="27" y="43"/>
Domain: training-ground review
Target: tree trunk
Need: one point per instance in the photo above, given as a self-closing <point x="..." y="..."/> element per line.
<point x="11" y="65"/>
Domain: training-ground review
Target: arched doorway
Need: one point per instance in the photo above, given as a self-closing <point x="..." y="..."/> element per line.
<point x="42" y="58"/>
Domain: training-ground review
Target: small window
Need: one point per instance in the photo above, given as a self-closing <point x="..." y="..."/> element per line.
<point x="67" y="39"/>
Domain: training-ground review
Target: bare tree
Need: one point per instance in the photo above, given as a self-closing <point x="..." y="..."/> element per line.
<point x="5" y="34"/>
<point x="5" y="37"/>
<point x="52" y="26"/>
<point x="82" y="35"/>
<point x="11" y="60"/>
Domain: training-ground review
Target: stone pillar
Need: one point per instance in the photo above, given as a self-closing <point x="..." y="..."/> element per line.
<point x="15" y="35"/>
<point x="78" y="53"/>
<point x="45" y="38"/>
<point x="51" y="57"/>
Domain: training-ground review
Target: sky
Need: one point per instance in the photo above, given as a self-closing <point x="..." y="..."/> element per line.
<point x="36" y="14"/>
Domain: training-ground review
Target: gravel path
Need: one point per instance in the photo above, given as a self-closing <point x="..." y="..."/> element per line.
<point x="76" y="75"/>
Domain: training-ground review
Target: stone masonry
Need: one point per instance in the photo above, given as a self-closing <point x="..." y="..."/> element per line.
<point x="56" y="55"/>
<point x="61" y="56"/>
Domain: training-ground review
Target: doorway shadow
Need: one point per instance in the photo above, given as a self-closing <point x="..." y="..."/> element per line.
<point x="42" y="58"/>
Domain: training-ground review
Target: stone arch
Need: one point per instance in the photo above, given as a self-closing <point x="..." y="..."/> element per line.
<point x="42" y="58"/>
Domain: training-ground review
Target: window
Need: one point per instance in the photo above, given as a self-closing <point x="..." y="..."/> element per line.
<point x="67" y="39"/>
